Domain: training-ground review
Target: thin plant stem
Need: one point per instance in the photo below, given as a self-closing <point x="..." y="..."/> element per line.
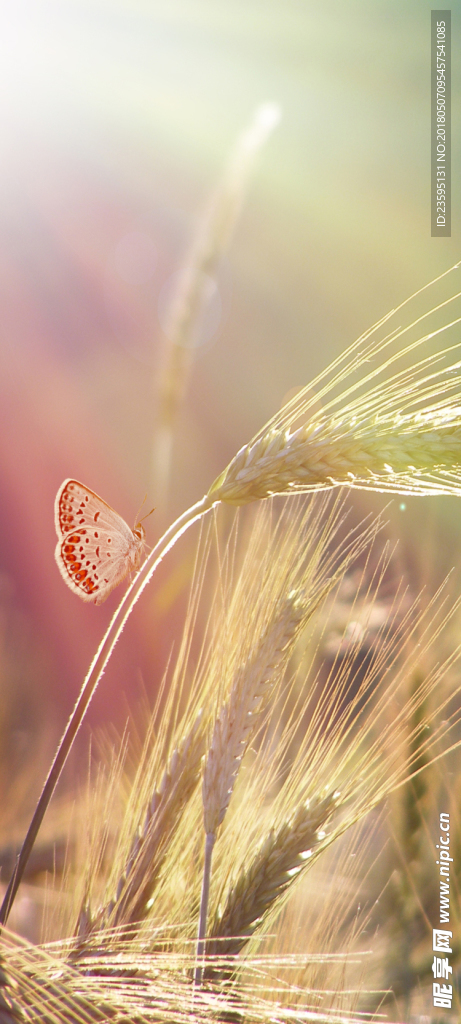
<point x="201" y="936"/>
<point x="89" y="686"/>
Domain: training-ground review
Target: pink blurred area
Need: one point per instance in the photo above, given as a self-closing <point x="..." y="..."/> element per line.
<point x="74" y="401"/>
<point x="82" y="262"/>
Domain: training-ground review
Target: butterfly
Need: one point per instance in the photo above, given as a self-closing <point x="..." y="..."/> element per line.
<point x="96" y="547"/>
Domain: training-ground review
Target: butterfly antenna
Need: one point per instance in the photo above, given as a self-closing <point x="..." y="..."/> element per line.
<point x="148" y="514"/>
<point x="137" y="520"/>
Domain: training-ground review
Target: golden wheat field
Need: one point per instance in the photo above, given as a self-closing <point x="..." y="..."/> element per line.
<point x="230" y="458"/>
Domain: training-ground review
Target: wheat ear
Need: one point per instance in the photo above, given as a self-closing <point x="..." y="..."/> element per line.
<point x="193" y="287"/>
<point x="235" y="725"/>
<point x="150" y="844"/>
<point x="239" y="717"/>
<point x="262" y="882"/>
<point x="413" y="454"/>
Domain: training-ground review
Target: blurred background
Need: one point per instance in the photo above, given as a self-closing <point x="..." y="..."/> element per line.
<point x="117" y="122"/>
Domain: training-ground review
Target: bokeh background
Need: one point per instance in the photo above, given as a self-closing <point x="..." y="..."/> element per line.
<point x="117" y="120"/>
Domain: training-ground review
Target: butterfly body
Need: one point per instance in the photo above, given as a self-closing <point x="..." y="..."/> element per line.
<point x="96" y="547"/>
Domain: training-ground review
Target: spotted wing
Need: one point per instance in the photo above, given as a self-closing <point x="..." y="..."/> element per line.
<point x="96" y="547"/>
<point x="76" y="505"/>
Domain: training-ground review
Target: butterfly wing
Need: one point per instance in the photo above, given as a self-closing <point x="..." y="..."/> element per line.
<point x="76" y="505"/>
<point x="96" y="547"/>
